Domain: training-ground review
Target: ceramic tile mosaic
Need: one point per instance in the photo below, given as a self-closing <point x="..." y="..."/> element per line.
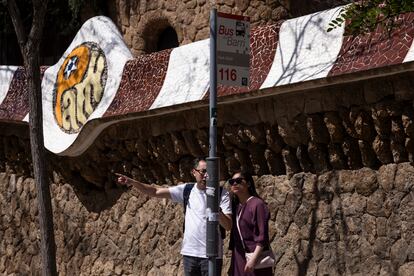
<point x="15" y="105"/>
<point x="140" y="84"/>
<point x="376" y="49"/>
<point x="291" y="51"/>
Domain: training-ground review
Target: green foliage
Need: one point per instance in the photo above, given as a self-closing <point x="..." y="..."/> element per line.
<point x="364" y="16"/>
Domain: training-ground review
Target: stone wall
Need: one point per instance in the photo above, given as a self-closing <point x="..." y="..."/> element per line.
<point x="347" y="222"/>
<point x="141" y="22"/>
<point x="348" y="126"/>
<point x="333" y="163"/>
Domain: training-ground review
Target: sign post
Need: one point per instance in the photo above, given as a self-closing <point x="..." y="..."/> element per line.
<point x="212" y="161"/>
<point x="229" y="53"/>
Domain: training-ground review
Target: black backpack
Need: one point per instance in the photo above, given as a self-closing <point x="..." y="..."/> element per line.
<point x="186" y="197"/>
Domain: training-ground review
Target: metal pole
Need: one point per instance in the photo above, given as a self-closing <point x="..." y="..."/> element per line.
<point x="212" y="161"/>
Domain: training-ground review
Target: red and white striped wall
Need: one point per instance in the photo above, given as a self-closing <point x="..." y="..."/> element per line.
<point x="97" y="76"/>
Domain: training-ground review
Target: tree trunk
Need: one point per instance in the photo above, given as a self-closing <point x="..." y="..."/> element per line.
<point x="29" y="46"/>
<point x="39" y="161"/>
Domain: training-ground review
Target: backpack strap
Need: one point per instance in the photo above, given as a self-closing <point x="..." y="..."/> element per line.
<point x="186" y="197"/>
<point x="186" y="194"/>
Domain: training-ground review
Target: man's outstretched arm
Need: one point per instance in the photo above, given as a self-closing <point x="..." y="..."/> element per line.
<point x="151" y="190"/>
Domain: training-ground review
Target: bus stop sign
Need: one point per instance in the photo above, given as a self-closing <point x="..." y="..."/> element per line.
<point x="233" y="49"/>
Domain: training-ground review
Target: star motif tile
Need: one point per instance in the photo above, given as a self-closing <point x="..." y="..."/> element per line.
<point x="71" y="66"/>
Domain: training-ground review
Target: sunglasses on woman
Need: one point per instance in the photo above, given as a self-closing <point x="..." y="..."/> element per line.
<point x="235" y="181"/>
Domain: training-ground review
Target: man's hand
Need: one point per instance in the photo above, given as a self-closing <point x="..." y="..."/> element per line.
<point x="151" y="190"/>
<point x="225" y="220"/>
<point x="124" y="180"/>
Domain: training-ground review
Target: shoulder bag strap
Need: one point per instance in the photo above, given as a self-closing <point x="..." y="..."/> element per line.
<point x="238" y="225"/>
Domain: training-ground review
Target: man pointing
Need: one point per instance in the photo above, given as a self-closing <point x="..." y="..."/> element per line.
<point x="193" y="197"/>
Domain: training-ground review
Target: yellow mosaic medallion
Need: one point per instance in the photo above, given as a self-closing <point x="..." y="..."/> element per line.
<point x="79" y="86"/>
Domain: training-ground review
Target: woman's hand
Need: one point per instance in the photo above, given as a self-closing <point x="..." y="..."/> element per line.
<point x="250" y="263"/>
<point x="249" y="267"/>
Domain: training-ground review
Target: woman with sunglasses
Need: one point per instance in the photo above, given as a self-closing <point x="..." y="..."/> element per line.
<point x="250" y="231"/>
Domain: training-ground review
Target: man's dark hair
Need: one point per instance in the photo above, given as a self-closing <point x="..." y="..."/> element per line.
<point x="197" y="160"/>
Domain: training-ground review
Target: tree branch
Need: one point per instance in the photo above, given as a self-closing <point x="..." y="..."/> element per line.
<point x="36" y="32"/>
<point x="17" y="23"/>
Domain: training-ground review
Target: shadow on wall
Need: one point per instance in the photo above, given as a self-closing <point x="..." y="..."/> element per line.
<point x="305" y="50"/>
<point x="303" y="263"/>
<point x="312" y="209"/>
<point x="94" y="199"/>
<point x="323" y="194"/>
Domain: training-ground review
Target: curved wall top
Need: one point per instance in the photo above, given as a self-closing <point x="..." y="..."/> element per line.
<point x="89" y="73"/>
<point x="98" y="78"/>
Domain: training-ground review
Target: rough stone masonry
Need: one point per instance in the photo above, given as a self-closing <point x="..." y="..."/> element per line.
<point x="334" y="165"/>
<point x="347" y="222"/>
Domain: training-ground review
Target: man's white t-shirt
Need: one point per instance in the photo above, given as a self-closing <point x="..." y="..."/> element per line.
<point x="195" y="234"/>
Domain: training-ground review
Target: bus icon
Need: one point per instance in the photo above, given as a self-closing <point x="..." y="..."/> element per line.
<point x="240" y="28"/>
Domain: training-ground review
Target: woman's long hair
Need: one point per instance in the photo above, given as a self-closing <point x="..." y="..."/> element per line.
<point x="250" y="187"/>
<point x="235" y="200"/>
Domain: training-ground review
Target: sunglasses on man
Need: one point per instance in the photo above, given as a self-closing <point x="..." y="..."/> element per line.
<point x="202" y="171"/>
<point x="235" y="181"/>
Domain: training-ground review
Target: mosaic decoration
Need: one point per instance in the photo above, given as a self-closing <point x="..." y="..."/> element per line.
<point x="79" y="87"/>
<point x="288" y="52"/>
<point x="135" y="92"/>
<point x="82" y="85"/>
<point x="14" y="104"/>
<point x="305" y="49"/>
<point x="376" y="49"/>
